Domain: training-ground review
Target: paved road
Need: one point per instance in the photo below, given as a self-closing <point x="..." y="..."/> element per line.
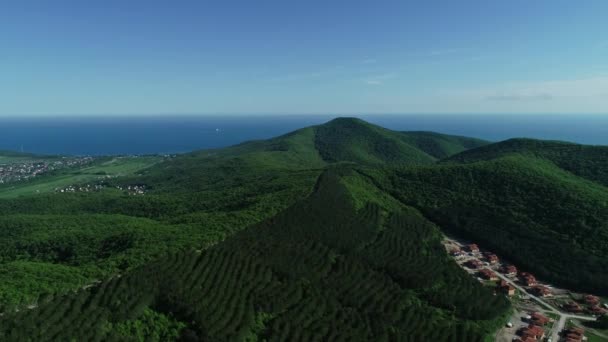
<point x="563" y="316"/>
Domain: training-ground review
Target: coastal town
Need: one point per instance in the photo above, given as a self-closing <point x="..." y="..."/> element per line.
<point x="17" y="171"/>
<point x="542" y="312"/>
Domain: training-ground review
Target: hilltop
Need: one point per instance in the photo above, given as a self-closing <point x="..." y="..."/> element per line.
<point x="585" y="161"/>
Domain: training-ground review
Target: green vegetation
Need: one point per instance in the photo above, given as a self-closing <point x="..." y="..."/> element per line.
<point x="317" y="271"/>
<point x="543" y="218"/>
<point x="330" y="232"/>
<point x="97" y="172"/>
<point x="589" y="162"/>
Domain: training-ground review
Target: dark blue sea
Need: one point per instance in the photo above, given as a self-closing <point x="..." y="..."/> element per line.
<point x="174" y="134"/>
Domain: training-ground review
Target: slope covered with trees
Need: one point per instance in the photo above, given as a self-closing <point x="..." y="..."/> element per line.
<point x="321" y="270"/>
<point x="586" y="161"/>
<point x="529" y="210"/>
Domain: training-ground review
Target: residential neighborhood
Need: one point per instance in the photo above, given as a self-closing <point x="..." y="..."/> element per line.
<point x="542" y="312"/>
<point x="26" y="170"/>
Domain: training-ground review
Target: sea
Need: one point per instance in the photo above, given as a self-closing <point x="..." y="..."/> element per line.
<point x="168" y="134"/>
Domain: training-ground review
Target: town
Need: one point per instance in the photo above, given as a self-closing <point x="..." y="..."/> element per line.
<point x="542" y="312"/>
<point x="26" y="170"/>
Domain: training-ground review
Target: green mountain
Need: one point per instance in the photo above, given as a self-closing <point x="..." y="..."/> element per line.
<point x="589" y="162"/>
<point x="525" y="207"/>
<point x="357" y="141"/>
<point x="330" y="232"/>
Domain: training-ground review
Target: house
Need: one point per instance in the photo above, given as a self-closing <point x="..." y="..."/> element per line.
<point x="455" y="251"/>
<point x="541" y="291"/>
<point x="539" y="319"/>
<point x="573" y="334"/>
<point x="527" y="278"/>
<point x="488" y="274"/>
<point x="591" y="300"/>
<point x="509" y="270"/>
<point x="492" y="258"/>
<point x="474" y="264"/>
<point x="525" y="339"/>
<point x="473" y="248"/>
<point x="598" y="310"/>
<point x="573" y="307"/>
<point x="506" y="288"/>
<point x="532" y="331"/>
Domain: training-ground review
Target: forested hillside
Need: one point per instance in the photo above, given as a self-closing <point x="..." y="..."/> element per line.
<point x="331" y="232"/>
<point x="528" y="209"/>
<point x="586" y="161"/>
<point x="321" y="270"/>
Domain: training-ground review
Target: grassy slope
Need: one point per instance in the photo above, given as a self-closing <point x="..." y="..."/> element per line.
<point x="112" y="167"/>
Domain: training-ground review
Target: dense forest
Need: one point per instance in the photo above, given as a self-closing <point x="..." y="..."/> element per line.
<point x="320" y="270"/>
<point x="331" y="232"/>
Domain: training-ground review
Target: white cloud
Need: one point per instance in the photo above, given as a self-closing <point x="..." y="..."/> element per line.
<point x="540" y="90"/>
<point x="380" y="79"/>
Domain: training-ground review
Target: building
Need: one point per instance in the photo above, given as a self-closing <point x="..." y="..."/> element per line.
<point x="527" y="279"/>
<point x="541" y="291"/>
<point x="598" y="310"/>
<point x="591" y="300"/>
<point x="509" y="270"/>
<point x="488" y="274"/>
<point x="532" y="331"/>
<point x="455" y="251"/>
<point x="573" y="307"/>
<point x="573" y="334"/>
<point x="474" y="264"/>
<point x="539" y="319"/>
<point x="506" y="288"/>
<point x="473" y="248"/>
<point x="492" y="258"/>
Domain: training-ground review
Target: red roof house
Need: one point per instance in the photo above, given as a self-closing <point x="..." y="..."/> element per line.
<point x="488" y="274"/>
<point x="541" y="291"/>
<point x="473" y="264"/>
<point x="539" y="319"/>
<point x="533" y="331"/>
<point x="473" y="248"/>
<point x="573" y="307"/>
<point x="509" y="270"/>
<point x="527" y="278"/>
<point x="506" y="288"/>
<point x="492" y="258"/>
<point x="591" y="300"/>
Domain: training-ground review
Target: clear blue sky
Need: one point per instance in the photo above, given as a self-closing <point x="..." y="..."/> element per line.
<point x="282" y="56"/>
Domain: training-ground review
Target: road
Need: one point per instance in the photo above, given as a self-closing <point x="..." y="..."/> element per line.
<point x="563" y="316"/>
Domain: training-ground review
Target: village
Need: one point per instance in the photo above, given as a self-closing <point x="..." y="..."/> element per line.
<point x="542" y="312"/>
<point x="26" y="170"/>
<point x="133" y="190"/>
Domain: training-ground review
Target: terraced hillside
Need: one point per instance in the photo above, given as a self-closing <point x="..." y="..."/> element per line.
<point x="318" y="271"/>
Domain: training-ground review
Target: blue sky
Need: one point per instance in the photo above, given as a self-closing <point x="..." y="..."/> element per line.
<point x="280" y="56"/>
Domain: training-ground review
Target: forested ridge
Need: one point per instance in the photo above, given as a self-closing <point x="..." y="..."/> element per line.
<point x="330" y="232"/>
